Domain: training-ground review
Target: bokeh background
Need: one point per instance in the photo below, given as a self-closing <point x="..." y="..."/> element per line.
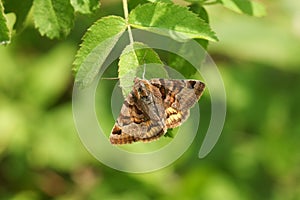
<point x="257" y="156"/>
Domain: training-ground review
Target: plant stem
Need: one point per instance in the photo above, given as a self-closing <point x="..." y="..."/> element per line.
<point x="125" y="8"/>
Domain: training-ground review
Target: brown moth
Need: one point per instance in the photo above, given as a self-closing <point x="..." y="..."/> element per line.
<point x="152" y="107"/>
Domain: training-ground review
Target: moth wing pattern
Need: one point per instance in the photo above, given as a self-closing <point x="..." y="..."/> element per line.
<point x="146" y="119"/>
<point x="178" y="97"/>
<point x="133" y="125"/>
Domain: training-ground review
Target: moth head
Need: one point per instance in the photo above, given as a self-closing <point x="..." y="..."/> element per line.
<point x="142" y="91"/>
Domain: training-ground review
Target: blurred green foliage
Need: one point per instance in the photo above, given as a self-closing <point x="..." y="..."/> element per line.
<point x="257" y="156"/>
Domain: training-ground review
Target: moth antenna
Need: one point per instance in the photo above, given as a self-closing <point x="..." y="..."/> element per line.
<point x="144" y="72"/>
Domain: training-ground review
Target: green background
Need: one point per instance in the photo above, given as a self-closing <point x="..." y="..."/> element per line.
<point x="257" y="156"/>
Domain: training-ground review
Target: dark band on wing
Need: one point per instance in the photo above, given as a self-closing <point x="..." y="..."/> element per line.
<point x="136" y="115"/>
<point x="162" y="90"/>
<point x="191" y="84"/>
<point x="198" y="87"/>
<point x="154" y="137"/>
<point x="118" y="137"/>
<point x="122" y="139"/>
<point x="125" y="118"/>
<point x="116" y="131"/>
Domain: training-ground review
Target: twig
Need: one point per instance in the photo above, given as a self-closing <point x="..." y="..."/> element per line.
<point x="125" y="9"/>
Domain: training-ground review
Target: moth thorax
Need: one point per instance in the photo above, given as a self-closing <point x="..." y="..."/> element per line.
<point x="143" y="92"/>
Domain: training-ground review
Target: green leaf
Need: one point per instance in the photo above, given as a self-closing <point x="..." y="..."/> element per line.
<point x="136" y="58"/>
<point x="4" y="31"/>
<point x="134" y="3"/>
<point x="20" y="8"/>
<point x="169" y="133"/>
<point x="96" y="46"/>
<point x="53" y="18"/>
<point x="181" y="65"/>
<point x="85" y="6"/>
<point x="200" y="11"/>
<point x="173" y="19"/>
<point x="252" y="8"/>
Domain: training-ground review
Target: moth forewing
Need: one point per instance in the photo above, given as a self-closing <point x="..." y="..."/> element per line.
<point x="154" y="106"/>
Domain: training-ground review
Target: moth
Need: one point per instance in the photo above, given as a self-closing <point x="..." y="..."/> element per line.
<point x="152" y="107"/>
